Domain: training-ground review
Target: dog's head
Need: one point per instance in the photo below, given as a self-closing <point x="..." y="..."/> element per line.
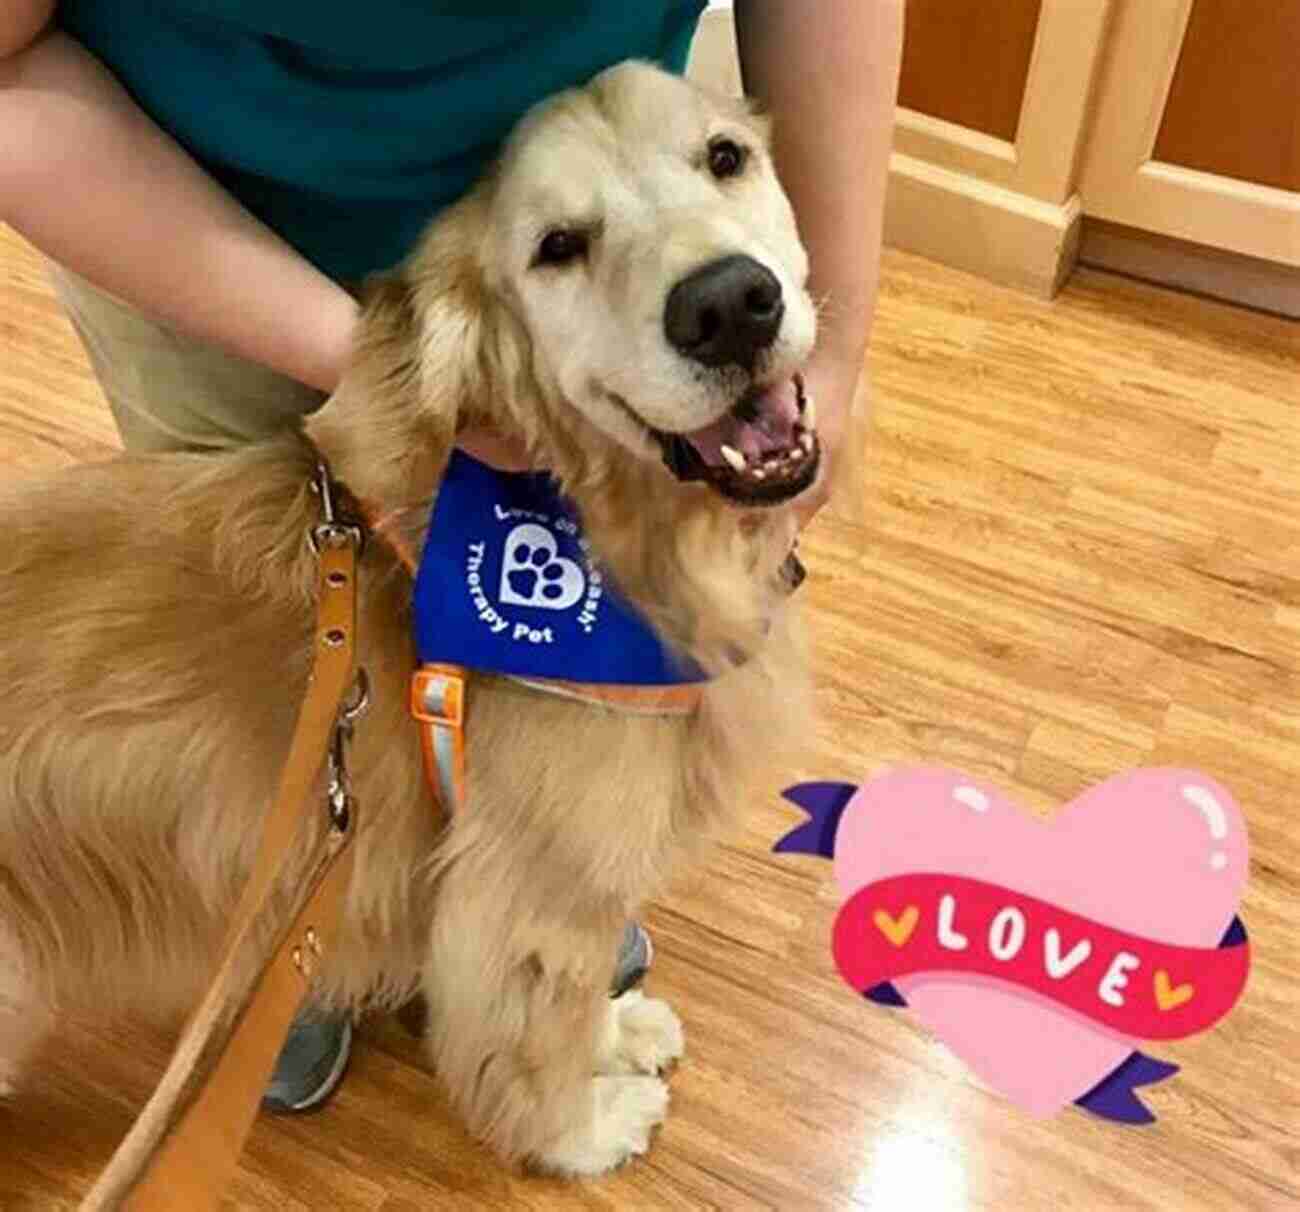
<point x="627" y="285"/>
<point x="639" y="233"/>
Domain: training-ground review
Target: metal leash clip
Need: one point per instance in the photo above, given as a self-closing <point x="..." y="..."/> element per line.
<point x="338" y="795"/>
<point x="335" y="531"/>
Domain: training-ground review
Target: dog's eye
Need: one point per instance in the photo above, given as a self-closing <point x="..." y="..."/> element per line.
<point x="726" y="158"/>
<point x="561" y="246"/>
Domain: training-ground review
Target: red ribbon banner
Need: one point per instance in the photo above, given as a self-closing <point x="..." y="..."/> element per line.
<point x="1143" y="988"/>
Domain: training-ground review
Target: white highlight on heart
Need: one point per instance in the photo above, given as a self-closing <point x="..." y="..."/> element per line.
<point x="1218" y="860"/>
<point x="972" y="797"/>
<point x="1058" y="967"/>
<point x="952" y="939"/>
<point x="1210" y="808"/>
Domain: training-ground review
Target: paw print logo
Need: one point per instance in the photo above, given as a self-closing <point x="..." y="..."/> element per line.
<point x="534" y="573"/>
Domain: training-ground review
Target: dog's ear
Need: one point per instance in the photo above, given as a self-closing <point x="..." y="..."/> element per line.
<point x="416" y="370"/>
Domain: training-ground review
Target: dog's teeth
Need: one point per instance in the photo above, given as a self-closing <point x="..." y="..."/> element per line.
<point x="810" y="414"/>
<point x="806" y="441"/>
<point x="734" y="458"/>
<point x="759" y="474"/>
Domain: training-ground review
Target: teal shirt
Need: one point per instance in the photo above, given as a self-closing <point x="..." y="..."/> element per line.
<point x="345" y="126"/>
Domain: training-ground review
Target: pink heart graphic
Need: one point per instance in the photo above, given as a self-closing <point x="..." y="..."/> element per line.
<point x="1160" y="853"/>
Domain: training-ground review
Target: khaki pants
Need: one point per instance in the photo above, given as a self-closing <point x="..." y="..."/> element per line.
<point x="169" y="392"/>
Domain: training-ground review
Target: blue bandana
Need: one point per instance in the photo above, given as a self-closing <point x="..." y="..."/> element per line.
<point x="506" y="585"/>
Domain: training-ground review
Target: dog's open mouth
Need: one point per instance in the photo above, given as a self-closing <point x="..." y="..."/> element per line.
<point x="763" y="451"/>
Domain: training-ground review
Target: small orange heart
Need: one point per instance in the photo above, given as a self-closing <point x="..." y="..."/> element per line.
<point x="1170" y="997"/>
<point x="899" y="930"/>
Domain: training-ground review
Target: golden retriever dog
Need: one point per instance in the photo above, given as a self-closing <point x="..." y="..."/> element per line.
<point x="624" y="294"/>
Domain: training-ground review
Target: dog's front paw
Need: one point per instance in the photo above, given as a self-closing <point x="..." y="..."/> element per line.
<point x="627" y="1109"/>
<point x="643" y="1035"/>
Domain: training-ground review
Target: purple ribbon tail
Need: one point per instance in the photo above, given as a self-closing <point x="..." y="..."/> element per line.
<point x="1113" y="1097"/>
<point x="824" y="803"/>
<point x="885" y="994"/>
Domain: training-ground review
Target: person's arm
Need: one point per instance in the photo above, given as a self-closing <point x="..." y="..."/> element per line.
<point x="827" y="71"/>
<point x="21" y="22"/>
<point x="97" y="186"/>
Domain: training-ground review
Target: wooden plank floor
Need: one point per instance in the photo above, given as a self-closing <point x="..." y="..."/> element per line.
<point x="1083" y="554"/>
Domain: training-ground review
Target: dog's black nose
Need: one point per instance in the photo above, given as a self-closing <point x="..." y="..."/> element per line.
<point x="725" y="313"/>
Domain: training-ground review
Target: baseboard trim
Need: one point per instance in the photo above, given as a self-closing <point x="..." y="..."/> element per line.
<point x="982" y="228"/>
<point x="1197" y="268"/>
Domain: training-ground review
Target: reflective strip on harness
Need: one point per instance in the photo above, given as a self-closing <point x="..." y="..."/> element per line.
<point x="438" y="706"/>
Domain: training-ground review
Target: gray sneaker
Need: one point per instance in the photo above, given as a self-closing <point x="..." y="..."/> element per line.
<point x="315" y="1055"/>
<point x="635" y="955"/>
<point x="311" y="1064"/>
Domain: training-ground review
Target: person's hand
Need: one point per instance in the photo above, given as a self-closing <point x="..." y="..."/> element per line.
<point x="832" y="382"/>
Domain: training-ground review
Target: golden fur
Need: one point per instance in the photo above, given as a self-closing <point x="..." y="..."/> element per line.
<point x="155" y="615"/>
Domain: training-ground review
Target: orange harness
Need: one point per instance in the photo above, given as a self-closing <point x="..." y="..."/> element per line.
<point x="439" y="693"/>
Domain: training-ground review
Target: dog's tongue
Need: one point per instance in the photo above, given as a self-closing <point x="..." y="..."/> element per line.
<point x="763" y="422"/>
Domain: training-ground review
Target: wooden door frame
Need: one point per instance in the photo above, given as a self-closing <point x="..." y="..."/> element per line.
<point x="1006" y="210"/>
<point x="1121" y="182"/>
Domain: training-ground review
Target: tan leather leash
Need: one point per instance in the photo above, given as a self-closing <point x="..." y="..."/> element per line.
<point x="183" y="1148"/>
